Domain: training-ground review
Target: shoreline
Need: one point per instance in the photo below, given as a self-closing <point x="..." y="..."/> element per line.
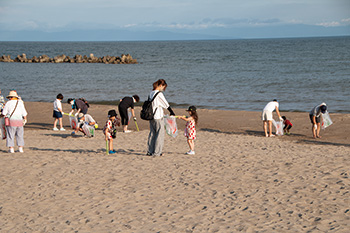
<point x="220" y="121"/>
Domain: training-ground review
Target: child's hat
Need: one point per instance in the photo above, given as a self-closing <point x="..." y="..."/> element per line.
<point x="191" y="109"/>
<point x="112" y="113"/>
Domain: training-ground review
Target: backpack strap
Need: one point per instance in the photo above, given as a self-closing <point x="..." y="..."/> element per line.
<point x="153" y="99"/>
<point x="154" y="96"/>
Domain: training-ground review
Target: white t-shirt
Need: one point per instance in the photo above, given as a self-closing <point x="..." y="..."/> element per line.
<point x="158" y="103"/>
<point x="88" y="118"/>
<point x="271" y="106"/>
<point x="57" y="105"/>
<point x="19" y="112"/>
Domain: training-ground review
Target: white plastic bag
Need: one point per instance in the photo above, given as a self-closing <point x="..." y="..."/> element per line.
<point x="326" y="120"/>
<point x="89" y="130"/>
<point x="170" y="125"/>
<point x="279" y="127"/>
<point x="2" y="128"/>
<point x="73" y="122"/>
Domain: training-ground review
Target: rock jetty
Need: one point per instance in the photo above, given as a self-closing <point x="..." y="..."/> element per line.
<point x="123" y="59"/>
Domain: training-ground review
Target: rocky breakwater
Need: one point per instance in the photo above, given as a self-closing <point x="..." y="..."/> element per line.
<point x="123" y="59"/>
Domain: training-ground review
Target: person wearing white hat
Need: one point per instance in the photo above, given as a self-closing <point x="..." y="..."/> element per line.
<point x="15" y="118"/>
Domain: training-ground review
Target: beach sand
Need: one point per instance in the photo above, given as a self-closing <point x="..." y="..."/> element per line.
<point x="238" y="181"/>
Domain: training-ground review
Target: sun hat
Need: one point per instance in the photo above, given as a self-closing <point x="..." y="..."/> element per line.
<point x="112" y="113"/>
<point x="12" y="94"/>
<point x="80" y="115"/>
<point x="191" y="109"/>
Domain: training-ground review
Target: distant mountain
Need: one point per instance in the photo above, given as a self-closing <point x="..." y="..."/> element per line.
<point x="282" y="31"/>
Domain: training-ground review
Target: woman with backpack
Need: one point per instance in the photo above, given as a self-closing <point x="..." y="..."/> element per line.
<point x="157" y="132"/>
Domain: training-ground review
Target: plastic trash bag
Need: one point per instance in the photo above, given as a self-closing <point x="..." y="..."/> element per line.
<point x="2" y="128"/>
<point x="170" y="125"/>
<point x="89" y="130"/>
<point x="73" y="122"/>
<point x="326" y="120"/>
<point x="279" y="127"/>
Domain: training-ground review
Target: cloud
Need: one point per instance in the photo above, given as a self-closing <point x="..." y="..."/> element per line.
<point x="346" y="21"/>
<point x="208" y="23"/>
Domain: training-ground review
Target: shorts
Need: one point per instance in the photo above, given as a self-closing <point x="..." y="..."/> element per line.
<point x="56" y="114"/>
<point x="287" y="127"/>
<point x="318" y="119"/>
<point x="266" y="116"/>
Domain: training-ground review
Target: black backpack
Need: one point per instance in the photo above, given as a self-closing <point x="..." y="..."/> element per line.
<point x="147" y="110"/>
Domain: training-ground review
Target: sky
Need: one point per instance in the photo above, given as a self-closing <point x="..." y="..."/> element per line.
<point x="210" y="17"/>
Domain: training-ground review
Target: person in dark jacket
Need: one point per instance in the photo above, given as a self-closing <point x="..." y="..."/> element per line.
<point x="125" y="103"/>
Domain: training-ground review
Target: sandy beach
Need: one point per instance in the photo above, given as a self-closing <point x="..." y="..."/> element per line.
<point x="238" y="181"/>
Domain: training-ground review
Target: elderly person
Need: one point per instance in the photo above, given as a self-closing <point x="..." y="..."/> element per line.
<point x="157" y="130"/>
<point x="16" y="115"/>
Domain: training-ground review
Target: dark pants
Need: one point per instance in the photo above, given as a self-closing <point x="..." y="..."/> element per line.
<point x="123" y="112"/>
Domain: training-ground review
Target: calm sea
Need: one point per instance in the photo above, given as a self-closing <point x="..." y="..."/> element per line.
<point x="219" y="74"/>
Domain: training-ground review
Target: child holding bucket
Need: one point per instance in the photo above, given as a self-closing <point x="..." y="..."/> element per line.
<point x="190" y="130"/>
<point x="110" y="130"/>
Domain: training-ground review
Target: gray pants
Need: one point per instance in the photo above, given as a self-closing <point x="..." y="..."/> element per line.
<point x="156" y="137"/>
<point x="11" y="133"/>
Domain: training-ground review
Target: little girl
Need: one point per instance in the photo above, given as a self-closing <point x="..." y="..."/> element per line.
<point x="190" y="130"/>
<point x="110" y="130"/>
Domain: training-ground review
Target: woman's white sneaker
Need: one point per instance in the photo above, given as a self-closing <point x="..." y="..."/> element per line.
<point x="190" y="152"/>
<point x="20" y="149"/>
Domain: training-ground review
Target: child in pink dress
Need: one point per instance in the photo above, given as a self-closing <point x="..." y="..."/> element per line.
<point x="190" y="130"/>
<point x="110" y="129"/>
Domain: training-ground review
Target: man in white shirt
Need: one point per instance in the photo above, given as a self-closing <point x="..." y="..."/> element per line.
<point x="267" y="118"/>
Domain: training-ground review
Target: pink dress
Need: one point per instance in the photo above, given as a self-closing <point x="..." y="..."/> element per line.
<point x="190" y="130"/>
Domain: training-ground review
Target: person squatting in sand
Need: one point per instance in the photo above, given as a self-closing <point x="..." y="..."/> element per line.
<point x="125" y="103"/>
<point x="82" y="119"/>
<point x="287" y="125"/>
<point x="315" y="118"/>
<point x="110" y="129"/>
<point x="157" y="131"/>
<point x="16" y="115"/>
<point x="267" y="118"/>
<point x="58" y="112"/>
<point x="190" y="129"/>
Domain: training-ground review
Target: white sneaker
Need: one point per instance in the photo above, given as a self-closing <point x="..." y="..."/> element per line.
<point x="190" y="152"/>
<point x="55" y="129"/>
<point x="11" y="150"/>
<point x="63" y="129"/>
<point x="127" y="131"/>
<point x="20" y="149"/>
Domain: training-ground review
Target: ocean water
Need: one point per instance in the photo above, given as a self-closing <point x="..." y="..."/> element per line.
<point x="218" y="74"/>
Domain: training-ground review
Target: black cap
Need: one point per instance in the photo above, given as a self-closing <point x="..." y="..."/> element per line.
<point x="191" y="108"/>
<point x="112" y="113"/>
<point x="323" y="108"/>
